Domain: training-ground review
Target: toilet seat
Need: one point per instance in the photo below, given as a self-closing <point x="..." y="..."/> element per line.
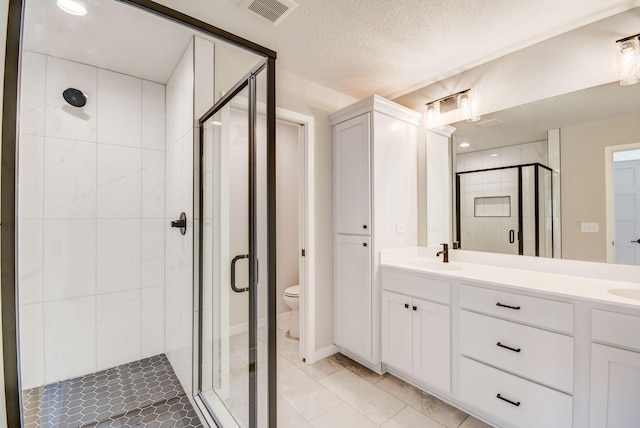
<point x="293" y="291"/>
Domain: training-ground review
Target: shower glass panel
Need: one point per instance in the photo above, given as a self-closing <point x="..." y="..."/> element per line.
<point x="488" y="216"/>
<point x="233" y="239"/>
<point x="506" y="210"/>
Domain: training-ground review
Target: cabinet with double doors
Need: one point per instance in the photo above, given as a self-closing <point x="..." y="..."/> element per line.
<point x="416" y="332"/>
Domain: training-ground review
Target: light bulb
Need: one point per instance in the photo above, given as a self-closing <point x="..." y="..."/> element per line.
<point x="464" y="105"/>
<point x="629" y="61"/>
<point x="432" y="114"/>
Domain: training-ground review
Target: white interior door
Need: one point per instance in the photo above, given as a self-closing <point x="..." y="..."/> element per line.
<point x="627" y="209"/>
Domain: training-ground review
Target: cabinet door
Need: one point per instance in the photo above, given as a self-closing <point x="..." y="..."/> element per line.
<point x="352" y="175"/>
<point x="397" y="326"/>
<point x="353" y="294"/>
<point x="432" y="344"/>
<point x="615" y="387"/>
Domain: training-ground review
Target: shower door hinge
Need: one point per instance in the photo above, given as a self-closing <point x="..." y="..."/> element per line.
<point x="302" y="252"/>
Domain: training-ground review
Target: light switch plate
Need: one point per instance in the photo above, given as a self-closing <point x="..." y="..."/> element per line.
<point x="400" y="228"/>
<point x="590" y="227"/>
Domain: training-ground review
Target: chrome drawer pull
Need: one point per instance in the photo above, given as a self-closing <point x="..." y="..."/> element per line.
<point x="508" y="401"/>
<point x="508" y="347"/>
<point x="517" y="308"/>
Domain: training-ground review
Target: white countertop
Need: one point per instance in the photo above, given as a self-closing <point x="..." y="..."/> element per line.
<point x="552" y="284"/>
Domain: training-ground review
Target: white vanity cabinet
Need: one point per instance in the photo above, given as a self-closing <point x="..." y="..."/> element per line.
<point x="375" y="192"/>
<point x="615" y="371"/>
<point x="416" y="333"/>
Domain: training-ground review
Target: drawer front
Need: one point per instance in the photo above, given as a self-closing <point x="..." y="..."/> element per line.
<point x="418" y="286"/>
<point x="614" y="328"/>
<point x="531" y="310"/>
<point x="531" y="406"/>
<point x="539" y="355"/>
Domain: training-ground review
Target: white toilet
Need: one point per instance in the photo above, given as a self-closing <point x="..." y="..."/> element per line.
<point x="292" y="299"/>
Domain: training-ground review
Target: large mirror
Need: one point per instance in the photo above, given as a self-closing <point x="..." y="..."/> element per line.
<point x="556" y="178"/>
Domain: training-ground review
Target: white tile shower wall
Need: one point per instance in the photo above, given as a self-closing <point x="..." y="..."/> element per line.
<point x="91" y="220"/>
<point x="179" y="248"/>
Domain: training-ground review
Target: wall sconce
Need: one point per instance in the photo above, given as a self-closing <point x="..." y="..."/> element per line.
<point x="629" y="60"/>
<point x="460" y="101"/>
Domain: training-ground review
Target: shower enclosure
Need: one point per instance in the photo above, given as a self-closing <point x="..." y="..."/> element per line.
<point x="138" y="265"/>
<point x="506" y="210"/>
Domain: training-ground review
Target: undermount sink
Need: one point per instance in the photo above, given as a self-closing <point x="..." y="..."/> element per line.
<point x="629" y="293"/>
<point x="429" y="264"/>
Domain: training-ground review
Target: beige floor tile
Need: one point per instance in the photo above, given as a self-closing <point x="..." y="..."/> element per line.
<point x="436" y="409"/>
<point x="288" y="417"/>
<point x="357" y="368"/>
<point x="342" y="416"/>
<point x="411" y="418"/>
<point x="472" y="422"/>
<point x="304" y="394"/>
<point x="370" y="401"/>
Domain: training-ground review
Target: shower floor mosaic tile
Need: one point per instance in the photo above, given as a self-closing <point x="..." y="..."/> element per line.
<point x="145" y="393"/>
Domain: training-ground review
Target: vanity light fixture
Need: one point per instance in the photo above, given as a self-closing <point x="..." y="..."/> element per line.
<point x="463" y="104"/>
<point x="432" y="114"/>
<point x="629" y="60"/>
<point x="72" y="7"/>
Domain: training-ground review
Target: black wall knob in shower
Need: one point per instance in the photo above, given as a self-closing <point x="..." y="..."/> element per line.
<point x="181" y="223"/>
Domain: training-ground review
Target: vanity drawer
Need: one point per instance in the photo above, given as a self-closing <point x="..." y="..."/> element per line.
<point x="531" y="310"/>
<point x="417" y="285"/>
<point x="539" y="355"/>
<point x="615" y="328"/>
<point x="532" y="405"/>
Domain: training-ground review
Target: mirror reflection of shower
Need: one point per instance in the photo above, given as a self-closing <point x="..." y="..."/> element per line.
<point x="504" y="205"/>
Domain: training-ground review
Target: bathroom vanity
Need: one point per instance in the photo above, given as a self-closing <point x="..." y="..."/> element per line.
<point x="514" y="347"/>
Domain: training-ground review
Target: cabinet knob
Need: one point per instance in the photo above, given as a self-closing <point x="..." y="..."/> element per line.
<point x="364" y="226"/>
<point x="415" y="308"/>
<point x="364" y="244"/>
<point x="406" y="306"/>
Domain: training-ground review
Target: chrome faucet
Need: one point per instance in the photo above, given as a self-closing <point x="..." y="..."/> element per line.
<point x="445" y="252"/>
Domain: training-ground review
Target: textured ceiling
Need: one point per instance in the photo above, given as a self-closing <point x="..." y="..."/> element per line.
<point x="357" y="47"/>
<point x="392" y="47"/>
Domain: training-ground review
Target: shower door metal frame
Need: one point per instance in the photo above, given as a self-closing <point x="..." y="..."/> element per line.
<point x="248" y="81"/>
<point x="8" y="193"/>
<point x="536" y="166"/>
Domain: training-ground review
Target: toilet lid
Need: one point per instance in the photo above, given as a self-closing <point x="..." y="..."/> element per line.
<point x="293" y="291"/>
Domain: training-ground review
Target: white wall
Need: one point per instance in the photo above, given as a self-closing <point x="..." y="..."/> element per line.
<point x="179" y="198"/>
<point x="90" y="207"/>
<point x="306" y="97"/>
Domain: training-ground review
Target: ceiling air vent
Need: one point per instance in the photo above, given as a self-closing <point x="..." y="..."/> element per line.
<point x="489" y="123"/>
<point x="272" y="10"/>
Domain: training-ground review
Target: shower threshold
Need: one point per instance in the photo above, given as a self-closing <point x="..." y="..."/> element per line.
<point x="144" y="393"/>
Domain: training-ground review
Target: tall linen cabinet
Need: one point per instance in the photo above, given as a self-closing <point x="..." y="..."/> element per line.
<point x="375" y="179"/>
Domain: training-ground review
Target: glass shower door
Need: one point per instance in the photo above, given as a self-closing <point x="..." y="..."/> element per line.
<point x="232" y="372"/>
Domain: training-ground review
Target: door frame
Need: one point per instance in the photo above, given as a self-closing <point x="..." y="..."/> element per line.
<point x="307" y="230"/>
<point x="610" y="214"/>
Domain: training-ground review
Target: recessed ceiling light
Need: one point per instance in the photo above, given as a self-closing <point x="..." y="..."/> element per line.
<point x="493" y="155"/>
<point x="72" y="7"/>
<point x="464" y="145"/>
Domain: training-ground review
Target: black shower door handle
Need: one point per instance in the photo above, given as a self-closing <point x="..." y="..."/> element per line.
<point x="233" y="273"/>
<point x="512" y="236"/>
